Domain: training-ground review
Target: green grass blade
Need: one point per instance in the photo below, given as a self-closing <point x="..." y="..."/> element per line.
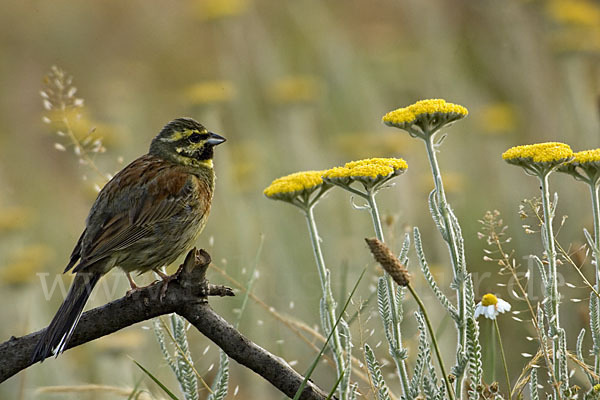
<point x="337" y="383"/>
<point x="159" y="383"/>
<point x="316" y="361"/>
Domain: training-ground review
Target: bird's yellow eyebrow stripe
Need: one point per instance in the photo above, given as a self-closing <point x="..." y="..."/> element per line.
<point x="182" y="135"/>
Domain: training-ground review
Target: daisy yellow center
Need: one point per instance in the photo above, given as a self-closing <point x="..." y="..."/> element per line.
<point x="587" y="156"/>
<point x="489" y="300"/>
<point x="410" y="113"/>
<point x="294" y="183"/>
<point x="540" y="152"/>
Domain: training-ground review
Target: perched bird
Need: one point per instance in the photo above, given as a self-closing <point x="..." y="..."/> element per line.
<point x="144" y="218"/>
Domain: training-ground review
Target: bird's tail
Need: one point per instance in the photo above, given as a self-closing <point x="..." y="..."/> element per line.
<point x="57" y="335"/>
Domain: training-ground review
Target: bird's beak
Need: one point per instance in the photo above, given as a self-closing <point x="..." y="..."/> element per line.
<point x="215" y="139"/>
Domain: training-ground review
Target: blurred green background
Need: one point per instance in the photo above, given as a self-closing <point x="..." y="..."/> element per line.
<point x="292" y="85"/>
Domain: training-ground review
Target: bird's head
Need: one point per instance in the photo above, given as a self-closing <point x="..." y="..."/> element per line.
<point x="186" y="142"/>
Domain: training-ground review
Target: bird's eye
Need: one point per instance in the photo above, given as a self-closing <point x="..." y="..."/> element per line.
<point x="195" y="138"/>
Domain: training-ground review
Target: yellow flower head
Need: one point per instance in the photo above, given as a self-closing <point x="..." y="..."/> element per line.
<point x="395" y="163"/>
<point x="550" y="152"/>
<point x="360" y="171"/>
<point x="290" y="186"/>
<point x="372" y="172"/>
<point x="586" y="156"/>
<point x="428" y="115"/>
<point x="585" y="166"/>
<point x="539" y="159"/>
<point x="490" y="306"/>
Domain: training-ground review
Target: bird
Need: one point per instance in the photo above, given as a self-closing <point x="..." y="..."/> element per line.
<point x="144" y="218"/>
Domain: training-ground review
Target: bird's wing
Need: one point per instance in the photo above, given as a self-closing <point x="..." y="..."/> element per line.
<point x="148" y="191"/>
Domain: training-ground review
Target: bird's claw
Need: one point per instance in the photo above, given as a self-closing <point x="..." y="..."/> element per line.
<point x="165" y="281"/>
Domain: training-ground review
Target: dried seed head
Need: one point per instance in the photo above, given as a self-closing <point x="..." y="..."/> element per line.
<point x="384" y="256"/>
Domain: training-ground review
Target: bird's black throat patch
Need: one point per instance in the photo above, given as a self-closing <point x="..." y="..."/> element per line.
<point x="206" y="153"/>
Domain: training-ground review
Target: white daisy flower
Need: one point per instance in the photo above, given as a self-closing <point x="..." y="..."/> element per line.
<point x="490" y="306"/>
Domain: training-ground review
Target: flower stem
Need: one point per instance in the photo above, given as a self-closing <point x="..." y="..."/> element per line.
<point x="451" y="241"/>
<point x="553" y="319"/>
<point x="396" y="333"/>
<point x="508" y="387"/>
<point x="375" y="216"/>
<point x="337" y="349"/>
<point x="433" y="341"/>
<point x="596" y="212"/>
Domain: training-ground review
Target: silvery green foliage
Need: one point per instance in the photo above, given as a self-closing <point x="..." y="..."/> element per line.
<point x="354" y="391"/>
<point x="324" y="318"/>
<point x="403" y="256"/>
<point x="430" y="279"/>
<point x="461" y="263"/>
<point x="400" y="291"/>
<point x="561" y="358"/>
<point x="389" y="304"/>
<point x="381" y="389"/>
<point x="540" y="323"/>
<point x="221" y="382"/>
<point x="385" y="312"/>
<point x="423" y="356"/>
<point x="434" y="209"/>
<point x="347" y="345"/>
<point x="474" y="357"/>
<point x="595" y="322"/>
<point x="547" y="302"/>
<point x="180" y="362"/>
<point x="579" y="353"/>
<point x="185" y="373"/>
<point x="160" y="337"/>
<point x="533" y="384"/>
<point x="590" y="241"/>
<point x="424" y="376"/>
<point x="594" y="303"/>
<point x="469" y="296"/>
<point x="384" y="303"/>
<point x="343" y="334"/>
<point x="461" y="362"/>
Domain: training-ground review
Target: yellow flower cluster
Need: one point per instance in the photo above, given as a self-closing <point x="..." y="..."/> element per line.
<point x="395" y="163"/>
<point x="368" y="168"/>
<point x="539" y="152"/>
<point x="296" y="182"/>
<point x="410" y="114"/>
<point x="586" y="156"/>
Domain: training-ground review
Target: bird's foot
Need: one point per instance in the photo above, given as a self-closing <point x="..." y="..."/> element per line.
<point x="166" y="279"/>
<point x="135" y="288"/>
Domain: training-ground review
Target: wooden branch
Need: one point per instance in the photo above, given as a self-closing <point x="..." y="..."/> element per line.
<point x="186" y="294"/>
